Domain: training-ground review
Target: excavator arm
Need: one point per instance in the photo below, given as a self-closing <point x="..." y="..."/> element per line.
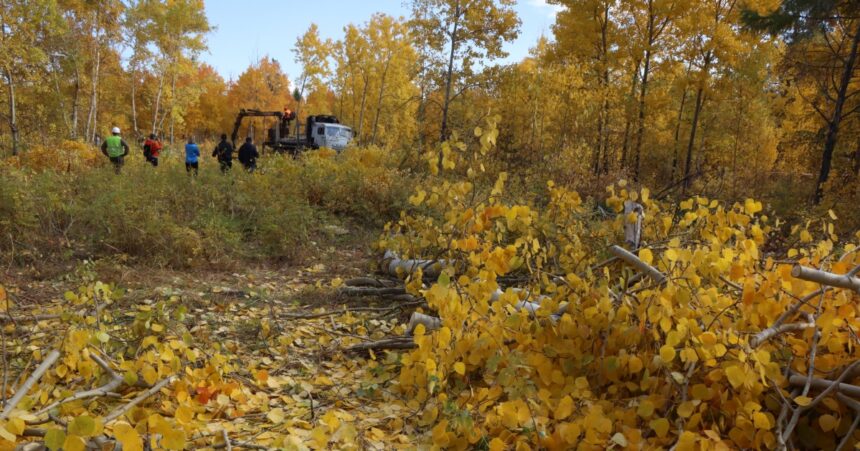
<point x="243" y="113"/>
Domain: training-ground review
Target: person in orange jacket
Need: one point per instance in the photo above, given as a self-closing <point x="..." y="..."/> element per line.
<point x="151" y="148"/>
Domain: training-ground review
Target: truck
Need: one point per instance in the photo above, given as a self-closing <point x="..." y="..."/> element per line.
<point x="319" y="131"/>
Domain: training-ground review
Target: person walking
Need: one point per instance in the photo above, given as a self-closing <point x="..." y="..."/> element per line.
<point x="224" y="152"/>
<point x="151" y="149"/>
<point x="248" y="155"/>
<point x="115" y="148"/>
<point x="192" y="157"/>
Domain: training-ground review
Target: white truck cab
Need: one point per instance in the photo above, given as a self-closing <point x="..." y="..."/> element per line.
<point x="333" y="136"/>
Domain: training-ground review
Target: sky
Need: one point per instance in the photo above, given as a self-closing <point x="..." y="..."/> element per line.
<point x="247" y="30"/>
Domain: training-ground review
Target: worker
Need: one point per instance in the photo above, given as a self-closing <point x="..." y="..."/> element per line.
<point x="192" y="155"/>
<point x="151" y="149"/>
<point x="248" y="155"/>
<point x="115" y="148"/>
<point x="224" y="152"/>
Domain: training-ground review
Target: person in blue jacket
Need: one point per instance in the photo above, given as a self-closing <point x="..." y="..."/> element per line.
<point x="192" y="156"/>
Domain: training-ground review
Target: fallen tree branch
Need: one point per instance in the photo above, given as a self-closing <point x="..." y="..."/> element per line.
<point x="28" y="384"/>
<point x="372" y="291"/>
<point x="637" y="263"/>
<point x="855" y="406"/>
<point x="227" y="445"/>
<point x="239" y="444"/>
<point x="765" y="335"/>
<point x="394" y="265"/>
<point x="846" y="281"/>
<point x="388" y="343"/>
<point x="118" y="412"/>
<point x="824" y="384"/>
<point x="105" y="390"/>
<point x="828" y="387"/>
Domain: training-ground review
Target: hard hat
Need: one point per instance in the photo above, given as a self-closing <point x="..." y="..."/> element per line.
<point x="115" y="130"/>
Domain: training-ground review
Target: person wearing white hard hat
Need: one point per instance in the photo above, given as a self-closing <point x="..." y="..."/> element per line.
<point x="115" y="148"/>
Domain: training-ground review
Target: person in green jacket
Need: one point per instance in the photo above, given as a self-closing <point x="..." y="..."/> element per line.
<point x="115" y="148"/>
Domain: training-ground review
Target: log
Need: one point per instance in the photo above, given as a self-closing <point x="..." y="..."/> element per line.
<point x="637" y="263"/>
<point x="826" y="278"/>
<point x="633" y="231"/>
<point x="394" y="265"/>
<point x="372" y="291"/>
<point x="388" y="343"/>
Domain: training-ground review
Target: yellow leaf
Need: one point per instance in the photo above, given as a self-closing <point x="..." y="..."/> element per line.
<point x="83" y="426"/>
<point x="565" y="408"/>
<point x="645" y="409"/>
<point x="761" y="420"/>
<point x="174" y="438"/>
<point x="497" y="444"/>
<point x="460" y="368"/>
<point x="686" y="409"/>
<point x="634" y="364"/>
<point x="74" y="443"/>
<point x="832" y="215"/>
<point x="149" y="374"/>
<point x="128" y="436"/>
<point x="752" y="207"/>
<point x="667" y="353"/>
<point x="803" y="400"/>
<point x="54" y="439"/>
<point x="828" y="422"/>
<point x="736" y="376"/>
<point x="660" y="426"/>
<point x="276" y="416"/>
<point x="16" y="426"/>
<point x="183" y="415"/>
<point x="646" y="256"/>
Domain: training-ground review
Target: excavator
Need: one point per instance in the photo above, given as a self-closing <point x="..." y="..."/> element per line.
<point x="319" y="131"/>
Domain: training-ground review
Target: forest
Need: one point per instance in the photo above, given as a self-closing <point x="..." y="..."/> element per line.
<point x="641" y="235"/>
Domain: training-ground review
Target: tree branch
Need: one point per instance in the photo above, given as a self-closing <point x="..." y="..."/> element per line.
<point x="28" y="384"/>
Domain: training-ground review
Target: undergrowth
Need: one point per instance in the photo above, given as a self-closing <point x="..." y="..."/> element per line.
<point x="163" y="216"/>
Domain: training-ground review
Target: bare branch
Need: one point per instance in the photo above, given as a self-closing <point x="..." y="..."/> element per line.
<point x="111" y="385"/>
<point x="634" y="261"/>
<point x="139" y="399"/>
<point x="28" y="384"/>
<point x="826" y="278"/>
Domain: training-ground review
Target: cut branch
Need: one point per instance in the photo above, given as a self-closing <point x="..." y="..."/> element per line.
<point x="28" y="384"/>
<point x="826" y="278"/>
<point x="105" y="390"/>
<point x="139" y="399"/>
<point x="637" y="263"/>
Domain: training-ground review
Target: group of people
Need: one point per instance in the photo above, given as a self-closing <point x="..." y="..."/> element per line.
<point x="115" y="148"/>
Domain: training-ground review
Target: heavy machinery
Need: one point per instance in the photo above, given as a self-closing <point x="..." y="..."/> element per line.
<point x="319" y="131"/>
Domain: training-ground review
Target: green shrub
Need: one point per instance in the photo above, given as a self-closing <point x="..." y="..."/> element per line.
<point x="166" y="217"/>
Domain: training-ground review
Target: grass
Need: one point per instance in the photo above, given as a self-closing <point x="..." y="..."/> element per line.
<point x="165" y="217"/>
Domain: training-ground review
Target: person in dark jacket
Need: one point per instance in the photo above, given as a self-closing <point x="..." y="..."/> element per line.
<point x="224" y="152"/>
<point x="248" y="155"/>
<point x="115" y="148"/>
<point x="151" y="148"/>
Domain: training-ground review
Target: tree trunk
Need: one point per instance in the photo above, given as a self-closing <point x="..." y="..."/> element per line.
<point x="691" y="144"/>
<point x="633" y="85"/>
<point x="134" y="101"/>
<point x="76" y="102"/>
<point x="640" y="130"/>
<point x="157" y="102"/>
<point x="678" y="129"/>
<point x="379" y="99"/>
<point x="93" y="112"/>
<point x="13" y="126"/>
<point x="604" y="112"/>
<point x="833" y="127"/>
<point x="361" y="111"/>
<point x="448" y="78"/>
<point x="172" y="103"/>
